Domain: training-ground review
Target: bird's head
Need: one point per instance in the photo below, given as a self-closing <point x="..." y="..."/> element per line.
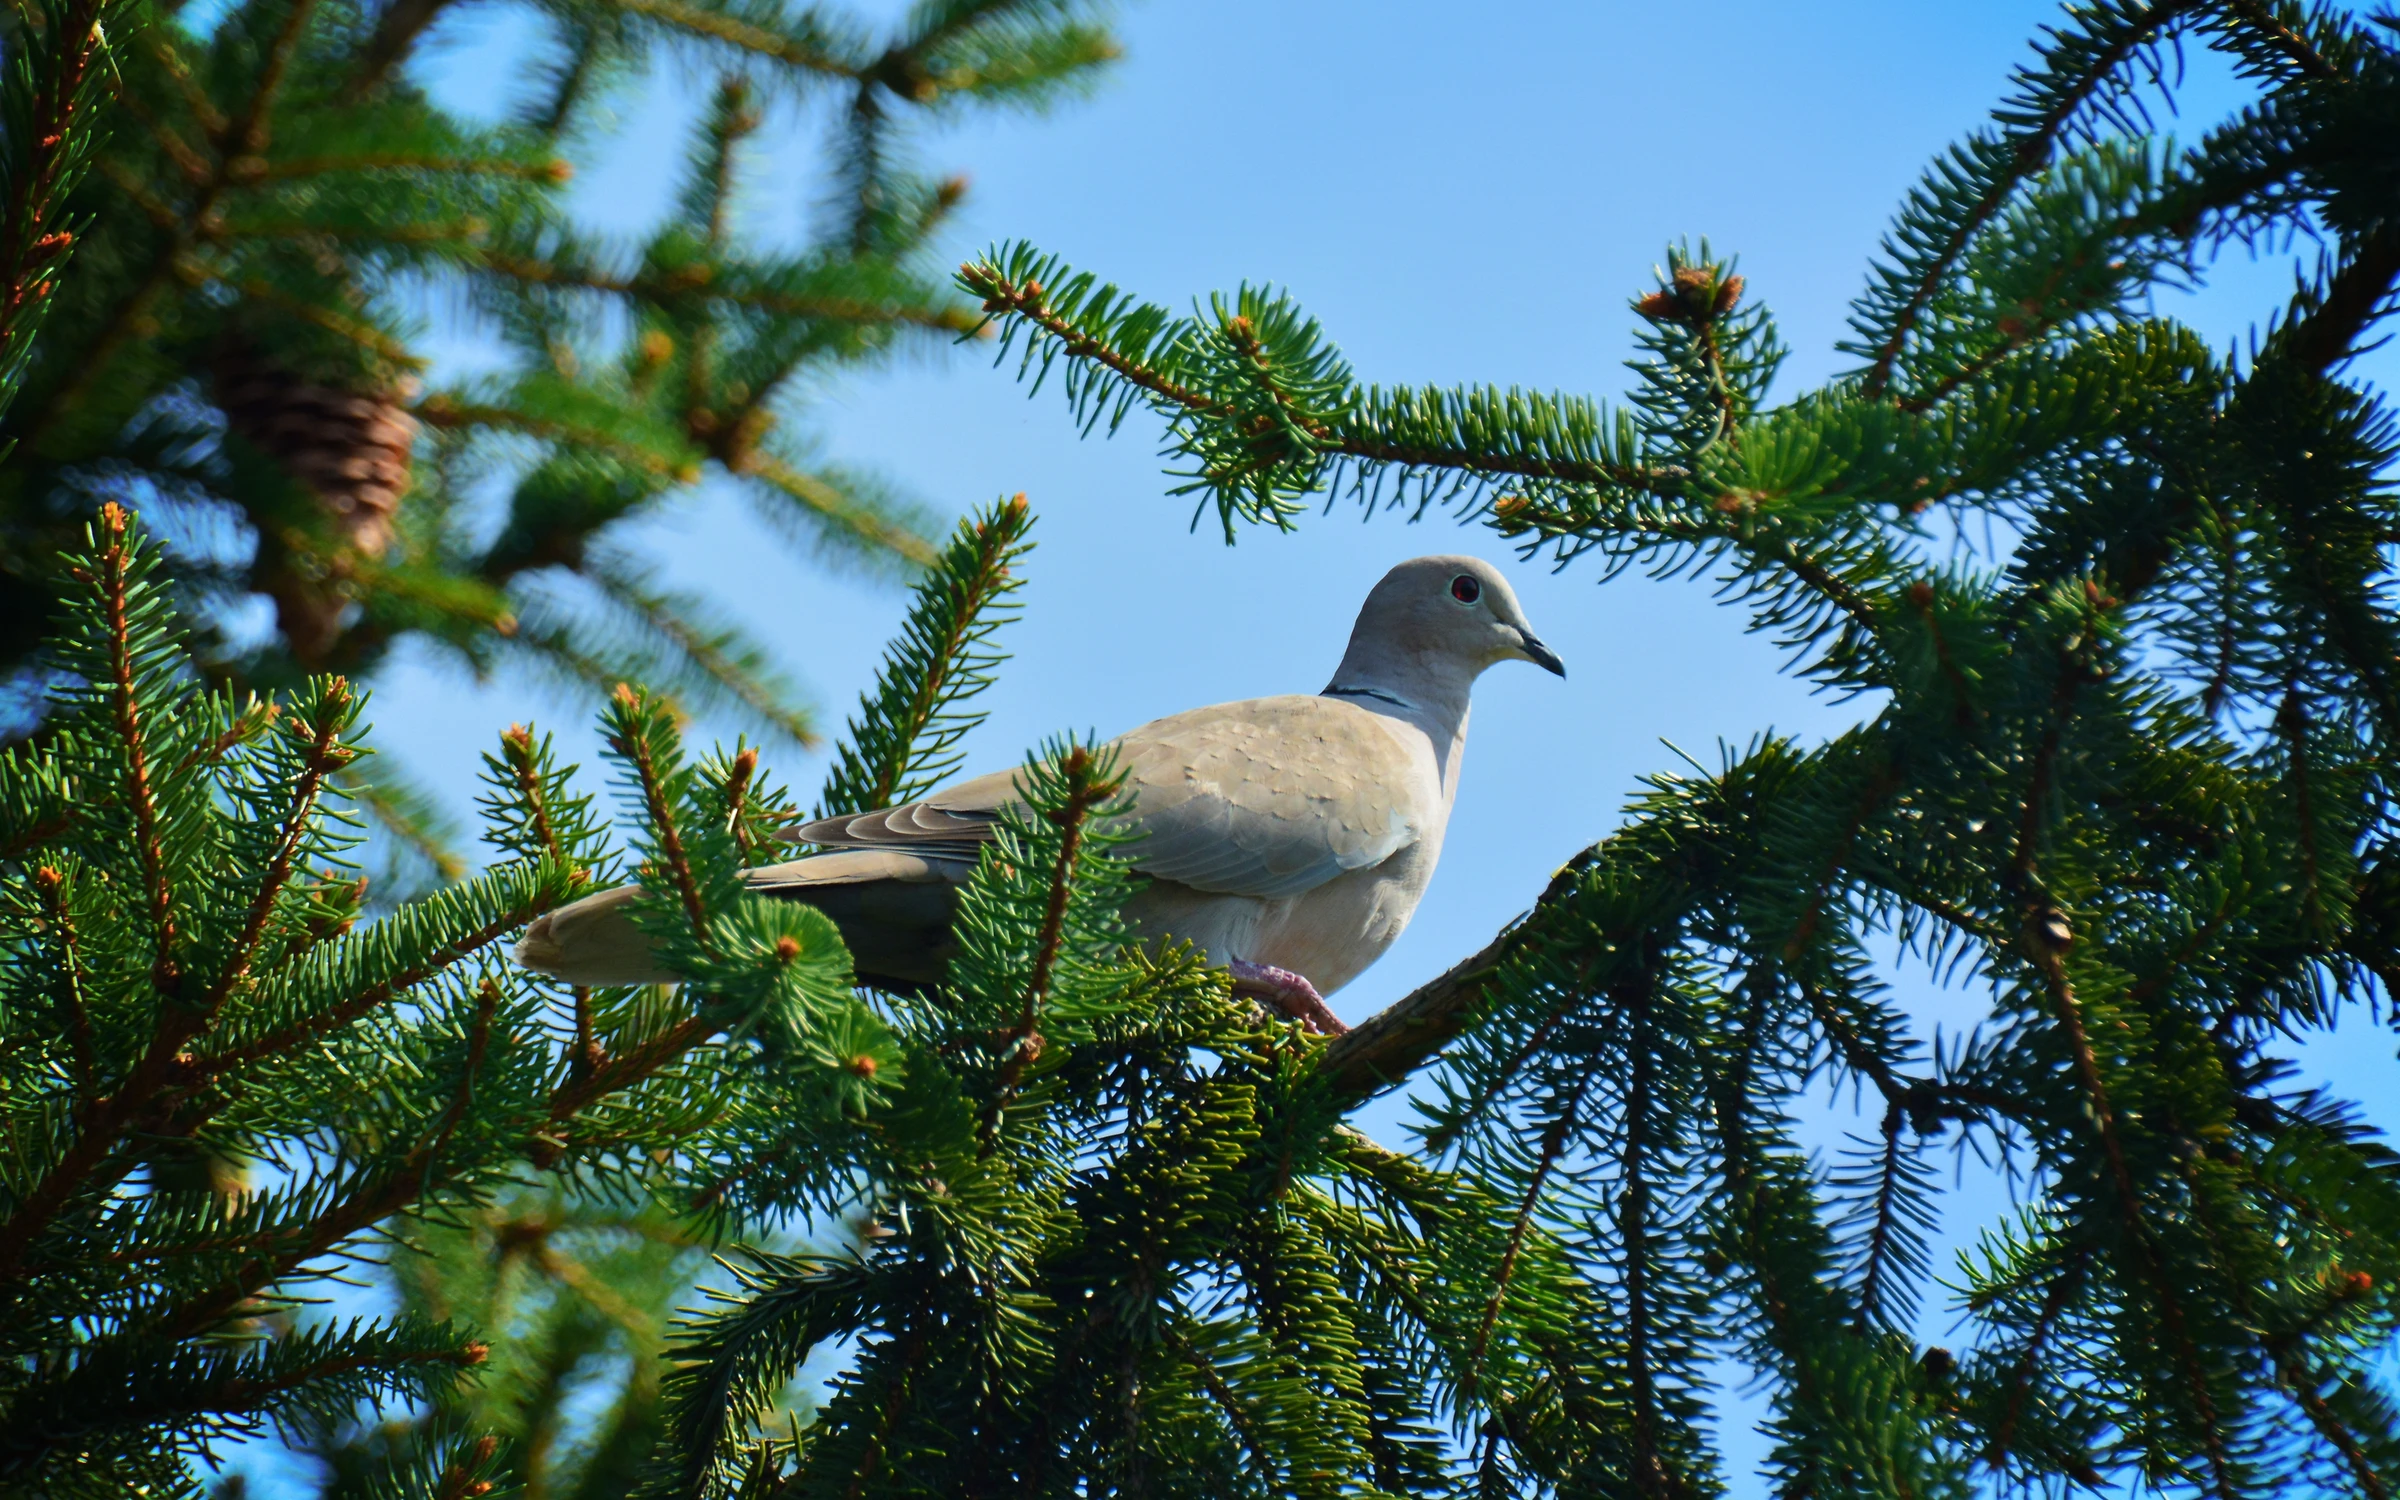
<point x="1451" y="616"/>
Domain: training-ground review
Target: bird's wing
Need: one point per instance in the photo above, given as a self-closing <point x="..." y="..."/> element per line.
<point x="1268" y="797"/>
<point x="1273" y="796"/>
<point x="954" y="823"/>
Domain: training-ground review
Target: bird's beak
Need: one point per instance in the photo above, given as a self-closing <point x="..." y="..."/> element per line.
<point x="1540" y="655"/>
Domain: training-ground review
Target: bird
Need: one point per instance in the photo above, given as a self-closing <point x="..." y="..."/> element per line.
<point x="1289" y="838"/>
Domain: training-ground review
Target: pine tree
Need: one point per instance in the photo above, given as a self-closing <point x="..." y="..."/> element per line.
<point x="587" y="1290"/>
<point x="594" y="1284"/>
<point x="1113" y="1232"/>
<point x="1108" y="1228"/>
<point x="2129" y="768"/>
<point x="185" y="977"/>
<point x="239" y="356"/>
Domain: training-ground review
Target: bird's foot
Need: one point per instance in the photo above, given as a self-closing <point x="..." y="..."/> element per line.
<point x="1289" y="993"/>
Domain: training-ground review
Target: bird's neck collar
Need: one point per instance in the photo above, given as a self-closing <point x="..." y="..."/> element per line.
<point x="1437" y="707"/>
<point x="1339" y="689"/>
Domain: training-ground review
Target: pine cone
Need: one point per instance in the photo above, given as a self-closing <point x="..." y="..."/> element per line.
<point x="349" y="449"/>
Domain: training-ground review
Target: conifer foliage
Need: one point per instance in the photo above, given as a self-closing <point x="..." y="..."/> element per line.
<point x="581" y="1293"/>
<point x="241" y="354"/>
<point x="1107" y="1229"/>
<point x="2128" y="767"/>
<point x="1110" y="1231"/>
<point x="186" y="982"/>
<point x="50" y="122"/>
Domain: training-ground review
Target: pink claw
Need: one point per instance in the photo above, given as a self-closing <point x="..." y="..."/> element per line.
<point x="1289" y="993"/>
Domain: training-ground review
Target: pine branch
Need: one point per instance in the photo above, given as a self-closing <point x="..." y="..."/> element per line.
<point x="1731" y="1105"/>
<point x="2281" y="1349"/>
<point x="2043" y="942"/>
<point x="395" y="36"/>
<point x="2358" y="296"/>
<point x="444" y="412"/>
<point x="1386" y="1048"/>
<point x="834" y="508"/>
<point x="2303" y="1386"/>
<point x="1228" y="1401"/>
<point x="114" y="582"/>
<point x="181" y="153"/>
<point x="253" y="125"/>
<point x="1918" y="1099"/>
<point x="2254" y="16"/>
<point x="2291" y="724"/>
<point x="734" y="1359"/>
<point x="50" y="101"/>
<point x="2064" y="1288"/>
<point x="175" y="65"/>
<point x="634" y="722"/>
<point x="896" y="1400"/>
<point x="719" y="655"/>
<point x="526" y="769"/>
<point x="731" y="121"/>
<point x="71" y="985"/>
<point x="33" y="835"/>
<point x="1553" y="1145"/>
<point x="114" y="574"/>
<point x="807" y="51"/>
<point x="114" y="1391"/>
<point x="504" y="917"/>
<point x="2047" y="954"/>
<point x="2006" y="162"/>
<point x="702" y="283"/>
<point x="988" y="279"/>
<point x="1084" y="785"/>
<point x="1268" y="413"/>
<point x="463" y="1476"/>
<point x="612" y="1073"/>
<point x="1633" y="1228"/>
<point x="902" y="740"/>
<point x="416" y="825"/>
<point x="1881" y="1237"/>
<point x="245" y="136"/>
<point x="332" y="710"/>
<point x="403" y="1186"/>
<point x="253" y="720"/>
<point x="735" y="792"/>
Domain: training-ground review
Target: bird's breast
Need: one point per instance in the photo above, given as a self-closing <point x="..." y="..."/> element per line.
<point x="1332" y="933"/>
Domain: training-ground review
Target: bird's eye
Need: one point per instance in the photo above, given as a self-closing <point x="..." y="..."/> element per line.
<point x="1465" y="589"/>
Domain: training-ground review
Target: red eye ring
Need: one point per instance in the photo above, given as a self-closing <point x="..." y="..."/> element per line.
<point x="1465" y="588"/>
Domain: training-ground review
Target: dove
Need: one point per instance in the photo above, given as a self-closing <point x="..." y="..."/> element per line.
<point x="1289" y="838"/>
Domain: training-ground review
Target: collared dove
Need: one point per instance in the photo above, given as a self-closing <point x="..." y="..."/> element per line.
<point x="1288" y="837"/>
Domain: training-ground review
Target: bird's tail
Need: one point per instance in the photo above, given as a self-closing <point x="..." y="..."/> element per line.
<point x="593" y="941"/>
<point x="893" y="910"/>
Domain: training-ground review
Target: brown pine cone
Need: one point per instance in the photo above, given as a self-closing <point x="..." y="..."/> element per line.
<point x="350" y="449"/>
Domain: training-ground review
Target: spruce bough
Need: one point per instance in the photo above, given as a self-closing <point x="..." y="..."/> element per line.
<point x="2129" y="771"/>
<point x="278" y="206"/>
<point x="1113" y="1233"/>
<point x="1107" y="1227"/>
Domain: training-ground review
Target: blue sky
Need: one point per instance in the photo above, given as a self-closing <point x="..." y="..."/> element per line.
<point x="1459" y="194"/>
